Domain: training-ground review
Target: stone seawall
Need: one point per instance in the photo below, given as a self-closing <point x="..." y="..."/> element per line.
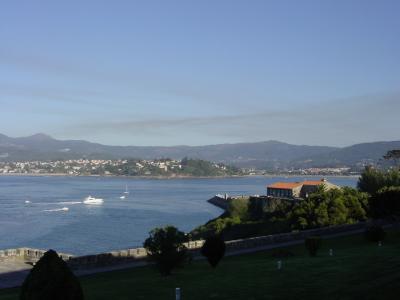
<point x="29" y="254"/>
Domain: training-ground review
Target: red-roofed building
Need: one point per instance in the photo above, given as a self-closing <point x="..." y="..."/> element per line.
<point x="297" y="189"/>
<point x="284" y="189"/>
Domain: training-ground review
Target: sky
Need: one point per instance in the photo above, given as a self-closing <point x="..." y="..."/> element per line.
<point x="201" y="72"/>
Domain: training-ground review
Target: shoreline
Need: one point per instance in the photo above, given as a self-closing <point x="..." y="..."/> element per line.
<point x="173" y="177"/>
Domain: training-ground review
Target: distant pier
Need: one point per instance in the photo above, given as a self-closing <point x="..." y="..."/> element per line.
<point x="220" y="201"/>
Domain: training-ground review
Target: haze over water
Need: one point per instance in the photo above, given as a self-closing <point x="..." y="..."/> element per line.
<point x="117" y="223"/>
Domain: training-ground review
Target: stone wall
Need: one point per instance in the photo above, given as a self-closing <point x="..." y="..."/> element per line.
<point x="109" y="258"/>
<point x="268" y="240"/>
<point x="28" y="254"/>
<point x="121" y="256"/>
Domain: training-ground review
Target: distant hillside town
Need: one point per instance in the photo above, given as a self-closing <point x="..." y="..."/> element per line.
<point x="132" y="167"/>
<point x="156" y="167"/>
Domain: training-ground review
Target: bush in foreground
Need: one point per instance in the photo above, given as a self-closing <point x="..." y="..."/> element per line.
<point x="386" y="202"/>
<point x="313" y="243"/>
<point x="213" y="249"/>
<point x="375" y="233"/>
<point x="51" y="279"/>
<point x="165" y="247"/>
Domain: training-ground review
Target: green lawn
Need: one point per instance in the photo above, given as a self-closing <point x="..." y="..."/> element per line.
<point x="358" y="270"/>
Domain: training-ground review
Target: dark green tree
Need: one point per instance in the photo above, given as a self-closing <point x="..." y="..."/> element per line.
<point x="213" y="249"/>
<point x="306" y="215"/>
<point x="166" y="249"/>
<point x="386" y="202"/>
<point x="51" y="279"/>
<point x="392" y="177"/>
<point x="356" y="203"/>
<point x="371" y="180"/>
<point x="332" y="207"/>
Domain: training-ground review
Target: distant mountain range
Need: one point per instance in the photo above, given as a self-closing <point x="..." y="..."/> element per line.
<point x="261" y="155"/>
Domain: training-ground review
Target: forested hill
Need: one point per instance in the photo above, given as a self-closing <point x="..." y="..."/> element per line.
<point x="264" y="155"/>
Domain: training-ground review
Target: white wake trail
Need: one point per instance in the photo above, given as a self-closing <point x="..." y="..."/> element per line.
<point x="57" y="209"/>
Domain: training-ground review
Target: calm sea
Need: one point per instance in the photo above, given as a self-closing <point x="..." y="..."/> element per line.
<point x="31" y="215"/>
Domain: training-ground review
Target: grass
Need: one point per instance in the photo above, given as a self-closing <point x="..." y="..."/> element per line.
<point x="358" y="270"/>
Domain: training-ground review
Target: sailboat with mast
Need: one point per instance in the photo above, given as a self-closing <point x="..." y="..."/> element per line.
<point x="126" y="193"/>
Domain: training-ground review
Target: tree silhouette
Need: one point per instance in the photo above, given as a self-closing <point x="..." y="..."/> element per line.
<point x="213" y="249"/>
<point x="51" y="279"/>
<point x="165" y="247"/>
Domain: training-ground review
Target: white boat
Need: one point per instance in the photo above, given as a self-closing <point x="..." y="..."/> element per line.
<point x="122" y="197"/>
<point x="27" y="201"/>
<point x="93" y="200"/>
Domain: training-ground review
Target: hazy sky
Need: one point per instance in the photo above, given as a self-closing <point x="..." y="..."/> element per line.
<point x="201" y="72"/>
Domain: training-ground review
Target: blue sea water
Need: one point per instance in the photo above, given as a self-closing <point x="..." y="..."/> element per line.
<point x="117" y="223"/>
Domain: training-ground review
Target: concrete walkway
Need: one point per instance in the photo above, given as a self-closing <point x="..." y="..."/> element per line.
<point x="12" y="272"/>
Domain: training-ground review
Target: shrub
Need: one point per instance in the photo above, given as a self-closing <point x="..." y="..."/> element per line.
<point x="332" y="207"/>
<point x="386" y="202"/>
<point x="238" y="208"/>
<point x="213" y="249"/>
<point x="375" y="233"/>
<point x="372" y="180"/>
<point x="51" y="279"/>
<point x="165" y="247"/>
<point x="313" y="243"/>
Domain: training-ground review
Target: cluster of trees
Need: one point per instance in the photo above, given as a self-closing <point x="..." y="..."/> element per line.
<point x="255" y="216"/>
<point x="166" y="248"/>
<point x="373" y="180"/>
<point x="199" y="167"/>
<point x="332" y="207"/>
<point x="383" y="186"/>
<point x="247" y="217"/>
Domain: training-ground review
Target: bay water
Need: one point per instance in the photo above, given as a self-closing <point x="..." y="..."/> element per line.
<point x="48" y="211"/>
